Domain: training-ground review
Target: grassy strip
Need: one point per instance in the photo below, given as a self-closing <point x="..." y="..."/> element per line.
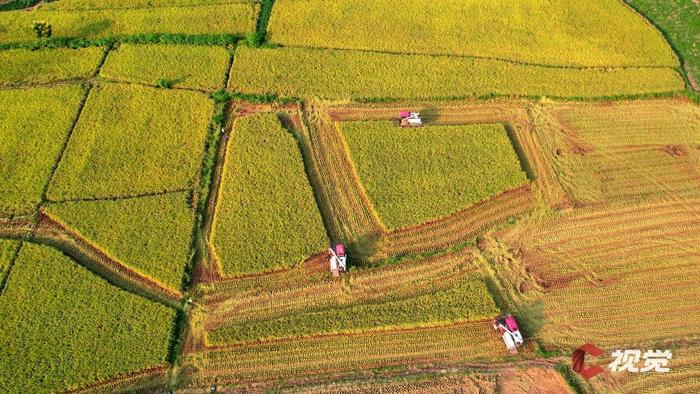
<point x="575" y="383"/>
<point x="55" y="312"/>
<point x="145" y="38"/>
<point x="17" y="5"/>
<point x="467" y="301"/>
<point x="357" y="74"/>
<point x="259" y="36"/>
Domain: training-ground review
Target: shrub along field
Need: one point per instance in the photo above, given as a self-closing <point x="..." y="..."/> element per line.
<point x="679" y="20"/>
<point x="133" y="140"/>
<point x="469" y="300"/>
<point x="533" y="31"/>
<point x="236" y="19"/>
<point x="414" y="175"/>
<point x="33" y="126"/>
<point x="357" y="74"/>
<point x="266" y="216"/>
<point x="149" y="234"/>
<point x="198" y="67"/>
<point x="47" y="65"/>
<point x="64" y="327"/>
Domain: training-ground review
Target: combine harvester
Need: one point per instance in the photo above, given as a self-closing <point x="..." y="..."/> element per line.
<point x="410" y="119"/>
<point x="507" y="326"/>
<point x="338" y="259"/>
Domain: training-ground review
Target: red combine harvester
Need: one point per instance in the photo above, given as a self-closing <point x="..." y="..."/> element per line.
<point x="507" y="327"/>
<point x="338" y="259"/>
<point x="410" y="119"/>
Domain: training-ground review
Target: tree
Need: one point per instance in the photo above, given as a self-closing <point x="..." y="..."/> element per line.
<point x="42" y="29"/>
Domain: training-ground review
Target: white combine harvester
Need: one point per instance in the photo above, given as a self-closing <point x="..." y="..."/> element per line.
<point x="338" y="259"/>
<point x="410" y="119"/>
<point x="507" y="326"/>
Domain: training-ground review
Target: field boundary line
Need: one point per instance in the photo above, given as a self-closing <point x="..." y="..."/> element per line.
<point x="124" y="82"/>
<point x="116" y="383"/>
<point x="6" y="277"/>
<point x="52" y="233"/>
<point x="118" y="197"/>
<point x="476" y="57"/>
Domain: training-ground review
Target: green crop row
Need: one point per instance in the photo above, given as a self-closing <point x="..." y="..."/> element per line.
<point x="266" y="216"/>
<point x="414" y="175"/>
<point x="680" y="21"/>
<point x="148" y="234"/>
<point x="41" y="66"/>
<point x="534" y="31"/>
<point x="133" y="140"/>
<point x="63" y="327"/>
<point x="236" y="19"/>
<point x="176" y="65"/>
<point x="331" y="74"/>
<point x="33" y="126"/>
<point x="467" y="301"/>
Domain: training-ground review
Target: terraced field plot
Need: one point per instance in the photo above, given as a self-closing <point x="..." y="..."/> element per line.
<point x="151" y="235"/>
<point x="197" y="67"/>
<point x="531" y="31"/>
<point x="47" y="65"/>
<point x="55" y="312"/>
<point x="291" y="71"/>
<point x="133" y="140"/>
<point x="415" y="175"/>
<point x="34" y="124"/>
<point x="236" y="19"/>
<point x="266" y="214"/>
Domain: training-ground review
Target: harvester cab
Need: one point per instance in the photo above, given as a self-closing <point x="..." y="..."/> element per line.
<point x="338" y="259"/>
<point x="410" y="119"/>
<point x="508" y="328"/>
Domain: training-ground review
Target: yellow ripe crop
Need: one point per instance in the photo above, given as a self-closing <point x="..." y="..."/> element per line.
<point x="33" y="126"/>
<point x="47" y="65"/>
<point x="357" y="74"/>
<point x="414" y="175"/>
<point x="69" y="327"/>
<point x="266" y="216"/>
<point x="8" y="249"/>
<point x="199" y="67"/>
<point x="148" y="234"/>
<point x="213" y="19"/>
<point x="133" y="140"/>
<point x="552" y="32"/>
<point x="111" y="4"/>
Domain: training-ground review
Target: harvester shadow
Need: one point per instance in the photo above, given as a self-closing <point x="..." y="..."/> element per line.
<point x="430" y="115"/>
<point x="362" y="249"/>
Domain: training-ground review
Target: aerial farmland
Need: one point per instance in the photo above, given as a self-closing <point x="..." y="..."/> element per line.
<point x="313" y="196"/>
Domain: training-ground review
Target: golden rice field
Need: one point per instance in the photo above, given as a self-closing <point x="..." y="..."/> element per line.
<point x="34" y="124"/>
<point x="237" y="19"/>
<point x="529" y="31"/>
<point x="21" y="66"/>
<point x="291" y="71"/>
<point x="413" y="176"/>
<point x="196" y="67"/>
<point x="133" y="140"/>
